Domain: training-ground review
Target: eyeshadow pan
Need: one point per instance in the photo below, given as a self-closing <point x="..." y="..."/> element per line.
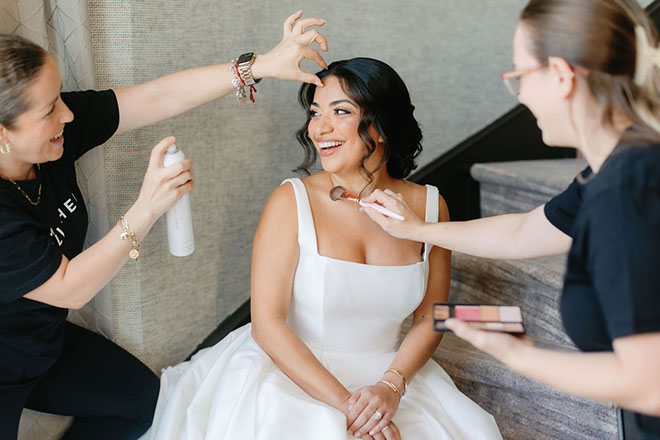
<point x="490" y="313"/>
<point x="482" y="317"/>
<point x="441" y="312"/>
<point x="494" y="326"/>
<point x="513" y="328"/>
<point x="510" y="314"/>
<point x="467" y="313"/>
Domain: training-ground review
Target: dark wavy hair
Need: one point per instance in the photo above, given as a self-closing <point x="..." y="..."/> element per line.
<point x="384" y="102"/>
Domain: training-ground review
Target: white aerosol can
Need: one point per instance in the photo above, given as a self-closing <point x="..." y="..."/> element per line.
<point x="179" y="217"/>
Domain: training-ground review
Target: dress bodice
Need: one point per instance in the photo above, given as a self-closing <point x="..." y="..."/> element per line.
<point x="344" y="306"/>
<point x="349" y="315"/>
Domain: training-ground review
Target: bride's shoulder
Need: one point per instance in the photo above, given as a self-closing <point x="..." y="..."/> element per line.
<point x="414" y="193"/>
<point x="416" y="196"/>
<point x="282" y="201"/>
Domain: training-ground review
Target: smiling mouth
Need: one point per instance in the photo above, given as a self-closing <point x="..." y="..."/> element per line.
<point x="329" y="146"/>
<point x="58" y="137"/>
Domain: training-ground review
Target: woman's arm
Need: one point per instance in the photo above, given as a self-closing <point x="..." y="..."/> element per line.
<point x="274" y="261"/>
<point x="511" y="236"/>
<point x="627" y="377"/>
<point x="171" y="95"/>
<point x="418" y="345"/>
<point x="77" y="281"/>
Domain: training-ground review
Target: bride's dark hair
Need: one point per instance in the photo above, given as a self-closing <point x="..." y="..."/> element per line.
<point x="384" y="102"/>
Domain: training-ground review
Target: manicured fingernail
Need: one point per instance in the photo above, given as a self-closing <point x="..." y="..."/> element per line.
<point x="372" y="432"/>
<point x="319" y="84"/>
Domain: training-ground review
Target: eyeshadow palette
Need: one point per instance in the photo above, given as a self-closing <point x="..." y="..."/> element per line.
<point x="494" y="318"/>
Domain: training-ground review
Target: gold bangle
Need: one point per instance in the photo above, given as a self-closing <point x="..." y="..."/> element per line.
<point x="391" y="385"/>
<point x="403" y="379"/>
<point x="127" y="233"/>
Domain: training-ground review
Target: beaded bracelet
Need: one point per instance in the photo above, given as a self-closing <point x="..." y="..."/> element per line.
<point x="127" y="233"/>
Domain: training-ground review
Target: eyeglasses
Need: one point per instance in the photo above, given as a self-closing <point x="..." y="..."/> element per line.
<point x="512" y="78"/>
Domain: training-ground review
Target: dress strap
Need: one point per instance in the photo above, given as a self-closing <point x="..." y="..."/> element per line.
<point x="306" y="229"/>
<point x="432" y="209"/>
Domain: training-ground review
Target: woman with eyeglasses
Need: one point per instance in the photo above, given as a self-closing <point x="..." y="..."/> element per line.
<point x="589" y="72"/>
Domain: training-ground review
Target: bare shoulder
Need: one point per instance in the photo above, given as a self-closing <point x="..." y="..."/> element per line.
<point x="280" y="209"/>
<point x="316" y="181"/>
<point x="317" y="187"/>
<point x="415" y="195"/>
<point x="282" y="196"/>
<point x="443" y="209"/>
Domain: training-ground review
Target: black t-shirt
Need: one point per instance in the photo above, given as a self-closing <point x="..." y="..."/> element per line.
<point x="612" y="283"/>
<point x="34" y="238"/>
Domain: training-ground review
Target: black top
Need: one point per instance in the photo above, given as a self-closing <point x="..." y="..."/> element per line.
<point x="612" y="283"/>
<point x="34" y="238"/>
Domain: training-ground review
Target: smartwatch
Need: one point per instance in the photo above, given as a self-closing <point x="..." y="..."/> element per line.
<point x="244" y="64"/>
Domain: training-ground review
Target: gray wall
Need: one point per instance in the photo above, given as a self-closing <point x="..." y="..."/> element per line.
<point x="449" y="52"/>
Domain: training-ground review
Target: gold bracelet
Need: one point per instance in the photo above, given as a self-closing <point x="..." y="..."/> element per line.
<point x="127" y="233"/>
<point x="403" y="379"/>
<point x="391" y="385"/>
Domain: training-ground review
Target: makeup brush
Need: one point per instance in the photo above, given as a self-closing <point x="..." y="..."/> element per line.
<point x="338" y="192"/>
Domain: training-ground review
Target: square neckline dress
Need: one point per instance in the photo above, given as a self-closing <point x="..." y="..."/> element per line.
<point x="350" y="316"/>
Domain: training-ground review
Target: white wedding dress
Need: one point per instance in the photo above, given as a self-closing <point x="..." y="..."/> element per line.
<point x="350" y="316"/>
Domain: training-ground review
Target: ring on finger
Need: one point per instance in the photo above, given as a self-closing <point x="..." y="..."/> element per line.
<point x="377" y="415"/>
<point x="385" y="428"/>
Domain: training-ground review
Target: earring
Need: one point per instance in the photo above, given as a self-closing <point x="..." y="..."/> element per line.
<point x="5" y="148"/>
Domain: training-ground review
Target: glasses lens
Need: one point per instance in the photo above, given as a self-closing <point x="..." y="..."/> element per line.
<point x="513" y="85"/>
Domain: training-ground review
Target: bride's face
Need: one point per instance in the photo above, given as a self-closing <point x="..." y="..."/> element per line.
<point x="334" y="130"/>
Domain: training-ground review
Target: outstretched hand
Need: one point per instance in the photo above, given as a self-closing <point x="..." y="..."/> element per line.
<point x="502" y="346"/>
<point x="408" y="228"/>
<point x="283" y="61"/>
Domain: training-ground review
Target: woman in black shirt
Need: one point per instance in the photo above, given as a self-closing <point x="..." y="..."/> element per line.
<point x="47" y="363"/>
<point x="588" y="70"/>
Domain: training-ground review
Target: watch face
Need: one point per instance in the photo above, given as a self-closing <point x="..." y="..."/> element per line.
<point x="246" y="57"/>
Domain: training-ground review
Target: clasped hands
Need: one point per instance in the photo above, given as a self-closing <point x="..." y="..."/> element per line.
<point x="369" y="413"/>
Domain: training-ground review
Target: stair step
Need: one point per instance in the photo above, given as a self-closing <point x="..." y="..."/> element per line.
<point x="521" y="186"/>
<point x="523" y="408"/>
<point x="534" y="285"/>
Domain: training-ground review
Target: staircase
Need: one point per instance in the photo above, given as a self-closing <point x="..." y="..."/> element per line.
<point x="524" y="409"/>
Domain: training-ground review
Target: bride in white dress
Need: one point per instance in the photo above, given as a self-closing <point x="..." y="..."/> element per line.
<point x="330" y="291"/>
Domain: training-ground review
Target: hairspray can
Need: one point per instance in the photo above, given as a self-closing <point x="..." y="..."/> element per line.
<point x="179" y="217"/>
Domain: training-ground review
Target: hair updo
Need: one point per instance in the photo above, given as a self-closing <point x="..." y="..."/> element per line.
<point x="384" y="101"/>
<point x="600" y="36"/>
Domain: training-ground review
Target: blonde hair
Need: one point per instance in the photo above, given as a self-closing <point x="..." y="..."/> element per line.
<point x="604" y="37"/>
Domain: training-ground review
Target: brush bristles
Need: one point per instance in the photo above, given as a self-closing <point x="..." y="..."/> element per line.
<point x="336" y="192"/>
